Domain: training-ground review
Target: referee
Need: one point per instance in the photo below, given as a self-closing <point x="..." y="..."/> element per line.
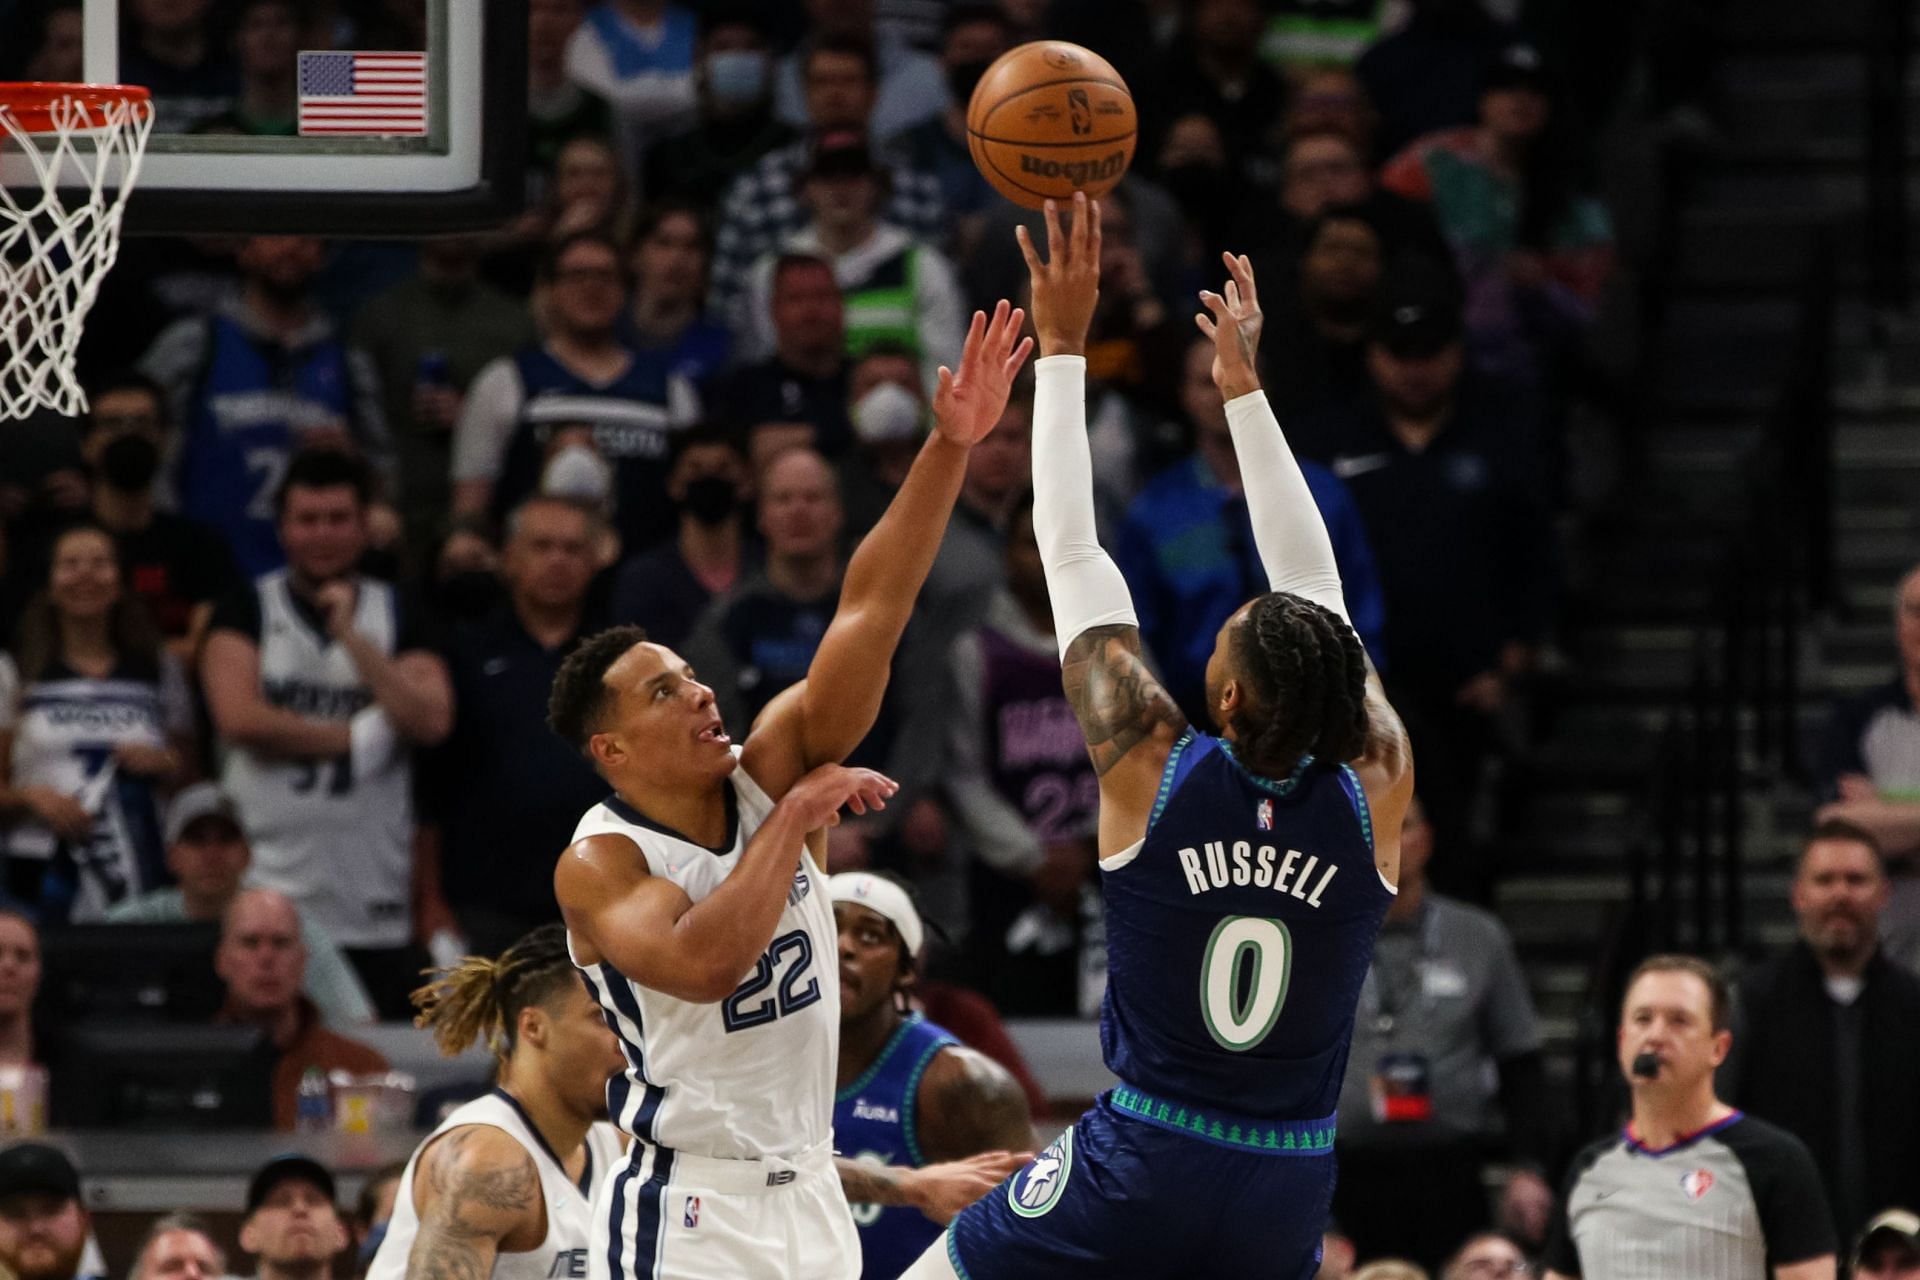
<point x="1692" y="1187"/>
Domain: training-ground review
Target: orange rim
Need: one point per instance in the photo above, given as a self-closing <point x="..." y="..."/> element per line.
<point x="30" y="103"/>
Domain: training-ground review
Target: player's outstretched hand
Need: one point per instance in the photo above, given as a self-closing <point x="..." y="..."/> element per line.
<point x="818" y="798"/>
<point x="1066" y="287"/>
<point x="970" y="402"/>
<point x="1234" y="326"/>
<point x="941" y="1191"/>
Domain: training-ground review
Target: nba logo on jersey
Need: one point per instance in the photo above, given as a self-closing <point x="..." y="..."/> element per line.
<point x="1263" y="815"/>
<point x="693" y="1211"/>
<point x="1697" y="1183"/>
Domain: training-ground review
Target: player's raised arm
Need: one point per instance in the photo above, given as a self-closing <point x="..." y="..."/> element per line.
<point x="824" y="717"/>
<point x="1129" y="721"/>
<point x="1289" y="533"/>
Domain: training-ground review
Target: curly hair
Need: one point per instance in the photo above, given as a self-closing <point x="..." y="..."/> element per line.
<point x="1308" y="677"/>
<point x="481" y="999"/>
<point x="580" y="692"/>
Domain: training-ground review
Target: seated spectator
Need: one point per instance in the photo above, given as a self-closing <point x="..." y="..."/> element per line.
<point x="758" y="638"/>
<point x="1214" y="70"/>
<point x="176" y="566"/>
<point x="762" y="207"/>
<point x="583" y="374"/>
<point x="1024" y="797"/>
<point x="19" y="987"/>
<point x="1444" y="1016"/>
<point x="907" y="85"/>
<point x="1533" y="250"/>
<point x="169" y="47"/>
<point x="733" y="88"/>
<point x="179" y="1246"/>
<point x="588" y="192"/>
<point x="667" y="589"/>
<point x="250" y="386"/>
<point x="638" y="55"/>
<point x="1868" y="764"/>
<point x="263" y="964"/>
<point x="266" y="45"/>
<point x="1319" y="358"/>
<point x="1491" y="1256"/>
<point x="889" y="416"/>
<point x="668" y="319"/>
<point x="972" y="35"/>
<point x="1888" y="1248"/>
<point x="428" y="338"/>
<point x="96" y="722"/>
<point x="558" y="107"/>
<point x="293" y="1227"/>
<point x="1826" y="1034"/>
<point x="797" y="396"/>
<point x="320" y="683"/>
<point x="208" y="855"/>
<point x="1442" y="471"/>
<point x="506" y="792"/>
<point x="892" y="287"/>
<point x="1428" y="74"/>
<point x="1186" y="545"/>
<point x="43" y="1224"/>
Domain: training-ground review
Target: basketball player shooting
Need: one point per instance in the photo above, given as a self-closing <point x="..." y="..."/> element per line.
<point x="696" y="907"/>
<point x="1246" y="871"/>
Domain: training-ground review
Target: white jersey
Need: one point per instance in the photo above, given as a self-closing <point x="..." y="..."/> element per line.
<point x="336" y="836"/>
<point x="563" y="1254"/>
<point x="753" y="1075"/>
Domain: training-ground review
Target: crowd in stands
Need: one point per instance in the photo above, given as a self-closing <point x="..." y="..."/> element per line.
<point x="279" y="614"/>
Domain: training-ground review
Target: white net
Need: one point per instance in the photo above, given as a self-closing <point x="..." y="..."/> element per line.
<point x="57" y="241"/>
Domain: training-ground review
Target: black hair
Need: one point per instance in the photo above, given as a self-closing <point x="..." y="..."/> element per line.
<point x="482" y="999"/>
<point x="580" y="692"/>
<point x="795" y="261"/>
<point x="674" y="207"/>
<point x="127" y="380"/>
<point x="715" y="14"/>
<point x="324" y="469"/>
<point x="1308" y="677"/>
<point x="1344" y="213"/>
<point x="550" y="260"/>
<point x="1841" y="831"/>
<point x="706" y="435"/>
<point x="847" y="46"/>
<point x="968" y="12"/>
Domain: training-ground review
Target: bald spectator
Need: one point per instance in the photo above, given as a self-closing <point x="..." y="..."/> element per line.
<point x="1828" y="1032"/>
<point x="759" y="639"/>
<point x="43" y="1225"/>
<point x="263" y="962"/>
<point x="208" y="856"/>
<point x="179" y="1247"/>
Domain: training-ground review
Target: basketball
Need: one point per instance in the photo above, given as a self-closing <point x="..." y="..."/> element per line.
<point x="1049" y="119"/>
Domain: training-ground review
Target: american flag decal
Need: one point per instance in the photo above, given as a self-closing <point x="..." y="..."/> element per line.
<point x="364" y="94"/>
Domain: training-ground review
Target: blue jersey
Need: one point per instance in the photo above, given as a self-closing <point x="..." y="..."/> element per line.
<point x="873" y="1119"/>
<point x="1238" y="935"/>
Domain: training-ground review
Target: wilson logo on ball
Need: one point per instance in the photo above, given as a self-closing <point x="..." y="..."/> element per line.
<point x="1078" y="172"/>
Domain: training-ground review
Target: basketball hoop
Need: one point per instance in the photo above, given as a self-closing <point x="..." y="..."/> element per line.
<point x="60" y="230"/>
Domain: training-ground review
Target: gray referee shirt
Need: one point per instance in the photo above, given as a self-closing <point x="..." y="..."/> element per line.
<point x="1728" y="1203"/>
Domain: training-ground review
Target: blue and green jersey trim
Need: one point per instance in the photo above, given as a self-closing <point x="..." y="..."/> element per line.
<point x="953" y="1256"/>
<point x="1283" y="787"/>
<point x="1166" y="777"/>
<point x="1236" y="1133"/>
<point x="909" y="1123"/>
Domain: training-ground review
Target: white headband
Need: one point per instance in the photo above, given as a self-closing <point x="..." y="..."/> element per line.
<point x="884" y="897"/>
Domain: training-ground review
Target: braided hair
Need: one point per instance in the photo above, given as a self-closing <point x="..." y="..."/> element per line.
<point x="1308" y="676"/>
<point x="481" y="999"/>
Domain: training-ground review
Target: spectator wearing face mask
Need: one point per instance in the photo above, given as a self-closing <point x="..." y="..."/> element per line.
<point x="583" y="374"/>
<point x="667" y="589"/>
<point x="735" y="126"/>
<point x="889" y="419"/>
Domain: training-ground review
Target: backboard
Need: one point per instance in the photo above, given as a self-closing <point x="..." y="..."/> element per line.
<point x="330" y="117"/>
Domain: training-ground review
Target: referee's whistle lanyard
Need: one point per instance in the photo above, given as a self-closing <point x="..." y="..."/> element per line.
<point x="1384" y="1005"/>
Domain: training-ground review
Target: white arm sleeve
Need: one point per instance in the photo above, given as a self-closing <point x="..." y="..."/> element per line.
<point x="1287" y="528"/>
<point x="1082" y="580"/>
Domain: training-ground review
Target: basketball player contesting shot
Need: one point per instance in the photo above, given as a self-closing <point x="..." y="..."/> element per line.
<point x="505" y="1186"/>
<point x="1245" y="874"/>
<point x="700" y="916"/>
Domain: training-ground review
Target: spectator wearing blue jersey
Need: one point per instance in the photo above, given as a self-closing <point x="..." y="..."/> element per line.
<point x="583" y="375"/>
<point x="671" y="255"/>
<point x="733" y="83"/>
<point x="638" y="55"/>
<point x="265" y="376"/>
<point x="1188" y="552"/>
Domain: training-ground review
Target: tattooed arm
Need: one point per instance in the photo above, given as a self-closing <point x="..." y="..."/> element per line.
<point x="1130" y="723"/>
<point x="478" y="1195"/>
<point x="940" y="1191"/>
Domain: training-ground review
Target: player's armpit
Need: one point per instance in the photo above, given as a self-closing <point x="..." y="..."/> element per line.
<point x="478" y="1194"/>
<point x="967" y="1104"/>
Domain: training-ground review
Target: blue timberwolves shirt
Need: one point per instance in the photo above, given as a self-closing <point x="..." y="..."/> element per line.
<point x="1238" y="935"/>
<point x="873" y="1119"/>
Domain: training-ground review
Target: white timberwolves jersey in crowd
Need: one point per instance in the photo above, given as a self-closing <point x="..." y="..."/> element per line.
<point x="751" y="1076"/>
<point x="335" y="835"/>
<point x="563" y="1254"/>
